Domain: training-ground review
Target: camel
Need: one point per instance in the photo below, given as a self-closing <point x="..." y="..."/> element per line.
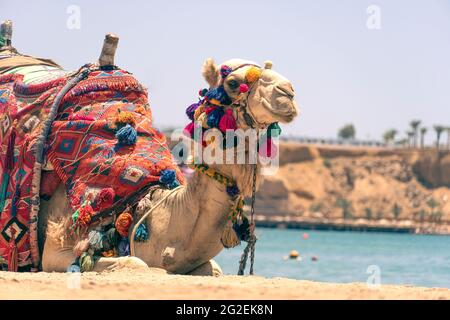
<point x="185" y="228"/>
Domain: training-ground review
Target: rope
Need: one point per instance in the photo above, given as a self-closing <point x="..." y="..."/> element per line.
<point x="252" y="241"/>
<point x="133" y="233"/>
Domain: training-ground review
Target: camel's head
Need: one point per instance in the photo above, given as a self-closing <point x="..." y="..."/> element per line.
<point x="262" y="95"/>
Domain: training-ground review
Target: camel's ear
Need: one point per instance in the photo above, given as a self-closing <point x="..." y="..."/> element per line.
<point x="210" y="72"/>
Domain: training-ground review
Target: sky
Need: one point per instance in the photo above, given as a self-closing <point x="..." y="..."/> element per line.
<point x="342" y="70"/>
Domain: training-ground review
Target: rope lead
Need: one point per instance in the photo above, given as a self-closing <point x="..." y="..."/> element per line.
<point x="252" y="241"/>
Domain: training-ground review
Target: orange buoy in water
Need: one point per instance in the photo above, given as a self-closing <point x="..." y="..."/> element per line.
<point x="305" y="236"/>
<point x="293" y="254"/>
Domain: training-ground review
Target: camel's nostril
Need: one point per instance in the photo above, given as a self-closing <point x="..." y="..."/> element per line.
<point x="287" y="89"/>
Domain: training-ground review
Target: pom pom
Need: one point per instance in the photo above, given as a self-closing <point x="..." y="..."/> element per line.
<point x="232" y="191"/>
<point x="198" y="112"/>
<point x="124" y="247"/>
<point x="127" y="135"/>
<point x="202" y="92"/>
<point x="87" y="262"/>
<point x="214" y="117"/>
<point x="274" y="130"/>
<point x="189" y="130"/>
<point x="95" y="239"/>
<point x="74" y="117"/>
<point x="243" y="88"/>
<point x="105" y="199"/>
<point x="140" y="110"/>
<point x="227" y="122"/>
<point x="219" y="94"/>
<point x="82" y="217"/>
<point x="169" y="178"/>
<point x="190" y="111"/>
<point x="141" y="233"/>
<point x="253" y="74"/>
<point x="203" y="118"/>
<point x="110" y="239"/>
<point x="125" y="117"/>
<point x="225" y="71"/>
<point x="123" y="223"/>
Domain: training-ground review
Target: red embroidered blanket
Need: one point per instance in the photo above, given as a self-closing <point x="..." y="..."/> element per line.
<point x="102" y="146"/>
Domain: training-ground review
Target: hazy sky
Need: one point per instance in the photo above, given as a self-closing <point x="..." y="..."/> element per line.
<point x="342" y="70"/>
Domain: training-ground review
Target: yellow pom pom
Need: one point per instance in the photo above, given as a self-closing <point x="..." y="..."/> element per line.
<point x="198" y="112"/>
<point x="125" y="117"/>
<point x="203" y="118"/>
<point x="253" y="74"/>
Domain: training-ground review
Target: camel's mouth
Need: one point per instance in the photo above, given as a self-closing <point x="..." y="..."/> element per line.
<point x="283" y="109"/>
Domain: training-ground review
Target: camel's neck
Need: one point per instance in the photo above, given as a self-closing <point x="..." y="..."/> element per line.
<point x="214" y="203"/>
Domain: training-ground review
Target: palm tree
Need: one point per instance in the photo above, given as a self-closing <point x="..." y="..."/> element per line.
<point x="423" y="131"/>
<point x="415" y="126"/>
<point x="439" y="129"/>
<point x="389" y="136"/>
<point x="410" y="135"/>
<point x="448" y="138"/>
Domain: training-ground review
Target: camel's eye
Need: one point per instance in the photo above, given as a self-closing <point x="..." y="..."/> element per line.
<point x="233" y="84"/>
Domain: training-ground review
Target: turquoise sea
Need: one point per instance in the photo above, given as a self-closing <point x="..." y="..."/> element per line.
<point x="419" y="260"/>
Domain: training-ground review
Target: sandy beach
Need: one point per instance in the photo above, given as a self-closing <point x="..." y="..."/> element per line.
<point x="157" y="284"/>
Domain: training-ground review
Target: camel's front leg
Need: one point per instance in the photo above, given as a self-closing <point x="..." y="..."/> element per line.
<point x="56" y="259"/>
<point x="210" y="268"/>
<point x="119" y="262"/>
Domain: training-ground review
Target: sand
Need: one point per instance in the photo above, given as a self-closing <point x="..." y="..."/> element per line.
<point x="156" y="284"/>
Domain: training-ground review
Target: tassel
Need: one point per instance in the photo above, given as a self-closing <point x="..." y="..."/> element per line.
<point x="227" y="122"/>
<point x="141" y="233"/>
<point x="169" y="179"/>
<point x="190" y="111"/>
<point x="203" y="118"/>
<point x="125" y="117"/>
<point x="268" y="149"/>
<point x="105" y="199"/>
<point x="198" y="112"/>
<point x="13" y="258"/>
<point x="10" y="151"/>
<point x="229" y="237"/>
<point x="127" y="135"/>
<point x="273" y="130"/>
<point x="189" y="130"/>
<point x="214" y="117"/>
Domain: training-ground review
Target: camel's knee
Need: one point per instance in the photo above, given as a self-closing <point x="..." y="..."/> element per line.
<point x="210" y="268"/>
<point x="56" y="259"/>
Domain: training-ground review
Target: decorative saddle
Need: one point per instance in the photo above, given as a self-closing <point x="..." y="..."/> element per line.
<point x="99" y="142"/>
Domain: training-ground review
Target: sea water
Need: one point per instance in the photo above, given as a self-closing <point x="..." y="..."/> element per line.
<point x="350" y="256"/>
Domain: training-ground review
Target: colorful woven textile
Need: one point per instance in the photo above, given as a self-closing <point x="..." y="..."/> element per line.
<point x="102" y="146"/>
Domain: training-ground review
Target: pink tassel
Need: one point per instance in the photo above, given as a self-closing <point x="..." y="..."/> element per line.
<point x="189" y="130"/>
<point x="227" y="122"/>
<point x="268" y="149"/>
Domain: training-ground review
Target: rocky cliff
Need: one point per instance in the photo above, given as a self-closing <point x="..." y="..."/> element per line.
<point x="349" y="183"/>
